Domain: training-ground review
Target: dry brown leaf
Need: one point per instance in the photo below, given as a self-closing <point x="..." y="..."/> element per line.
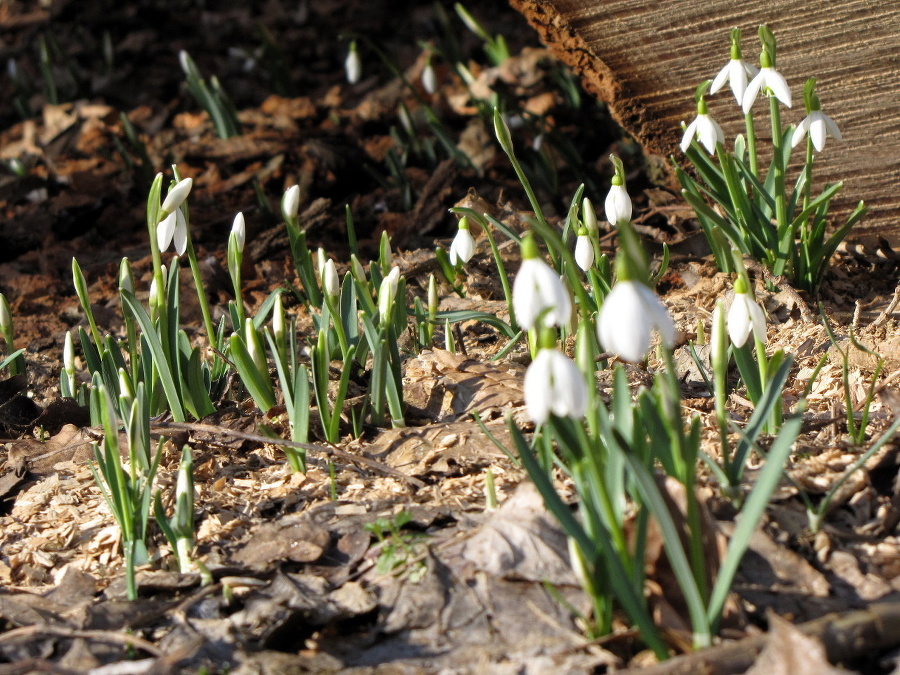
<point x="521" y="540"/>
<point x="790" y="652"/>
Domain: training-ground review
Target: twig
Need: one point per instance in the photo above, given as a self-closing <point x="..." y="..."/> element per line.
<point x="380" y="467"/>
<point x="844" y="635"/>
<point x="124" y="639"/>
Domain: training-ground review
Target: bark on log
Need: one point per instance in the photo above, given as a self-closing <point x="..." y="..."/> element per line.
<point x="644" y="59"/>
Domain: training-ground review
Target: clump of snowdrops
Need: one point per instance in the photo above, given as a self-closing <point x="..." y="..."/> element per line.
<point x="746" y="204"/>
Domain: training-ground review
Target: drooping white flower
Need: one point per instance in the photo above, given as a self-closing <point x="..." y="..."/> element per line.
<point x="463" y="246"/>
<point x="239" y="230"/>
<point x="584" y="250"/>
<point x="766" y="78"/>
<point x="538" y="292"/>
<point x="387" y="292"/>
<point x="172" y="226"/>
<point x="629" y="314"/>
<point x="818" y="125"/>
<point x="429" y="79"/>
<point x="177" y="195"/>
<point x="745" y="316"/>
<point x="290" y="203"/>
<point x="736" y="73"/>
<point x="706" y="130"/>
<point x="553" y="384"/>
<point x="330" y="280"/>
<point x="618" y="203"/>
<point x="353" y="65"/>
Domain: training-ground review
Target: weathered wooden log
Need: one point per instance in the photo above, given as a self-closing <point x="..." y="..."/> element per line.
<point x="644" y="59"/>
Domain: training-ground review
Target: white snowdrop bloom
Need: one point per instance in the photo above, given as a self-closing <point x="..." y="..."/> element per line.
<point x="239" y="230"/>
<point x="429" y="79"/>
<point x="353" y="65"/>
<point x="463" y="246"/>
<point x="290" y="203"/>
<point x="584" y="250"/>
<point x="538" y="291"/>
<point x="705" y="129"/>
<point x="618" y="203"/>
<point x="818" y="125"/>
<point x="387" y="292"/>
<point x="553" y="384"/>
<point x="629" y="314"/>
<point x="172" y="226"/>
<point x="330" y="279"/>
<point x="766" y="78"/>
<point x="745" y="316"/>
<point x="177" y="195"/>
<point x="736" y="73"/>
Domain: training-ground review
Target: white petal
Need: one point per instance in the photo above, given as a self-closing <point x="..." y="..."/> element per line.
<point x="776" y="82"/>
<point x="524" y="295"/>
<point x="800" y="131"/>
<point x="660" y="318"/>
<point x="738" y="79"/>
<point x="177" y="195"/>
<point x="721" y="78"/>
<point x="180" y="232"/>
<point x="617" y="204"/>
<point x="164" y="231"/>
<point x="463" y="247"/>
<point x="353" y="67"/>
<point x="757" y="321"/>
<point x="689" y="134"/>
<point x="569" y="391"/>
<point x="832" y="128"/>
<point x="584" y="252"/>
<point x="291" y="201"/>
<point x="739" y="319"/>
<point x="238" y="227"/>
<point x="706" y="132"/>
<point x="752" y="92"/>
<point x="538" y="393"/>
<point x="622" y="326"/>
<point x="429" y="79"/>
<point x="817" y="131"/>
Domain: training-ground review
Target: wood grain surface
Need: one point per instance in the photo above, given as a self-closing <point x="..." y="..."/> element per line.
<point x="644" y="59"/>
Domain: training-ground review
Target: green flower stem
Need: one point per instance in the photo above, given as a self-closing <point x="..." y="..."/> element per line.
<point x="201" y="293"/>
<point x="751" y="144"/>
<point x="501" y="269"/>
<point x="807" y="191"/>
<point x="338" y="325"/>
<point x="782" y="256"/>
<point x="505" y="140"/>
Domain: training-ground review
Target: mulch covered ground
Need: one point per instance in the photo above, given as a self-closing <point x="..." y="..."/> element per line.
<point x="308" y="575"/>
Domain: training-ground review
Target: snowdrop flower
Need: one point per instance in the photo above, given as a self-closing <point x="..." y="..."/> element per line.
<point x="330" y="280"/>
<point x="618" y="203"/>
<point x="628" y="315"/>
<point x="239" y="231"/>
<point x="290" y="203"/>
<point x="463" y="247"/>
<point x="706" y="130"/>
<point x="353" y="64"/>
<point x="553" y="384"/>
<point x="172" y="226"/>
<point x="429" y="78"/>
<point x="736" y="72"/>
<point x="766" y="79"/>
<point x="816" y="123"/>
<point x="745" y="316"/>
<point x="539" y="292"/>
<point x="584" y="250"/>
<point x="387" y="292"/>
<point x="177" y="195"/>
